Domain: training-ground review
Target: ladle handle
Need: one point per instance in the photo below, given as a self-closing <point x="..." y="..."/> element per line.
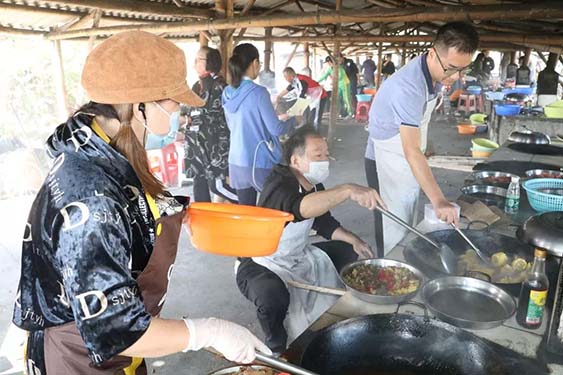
<point x="315" y="288"/>
<point x="402" y="223"/>
<point x="479" y="253"/>
<point x="282" y="365"/>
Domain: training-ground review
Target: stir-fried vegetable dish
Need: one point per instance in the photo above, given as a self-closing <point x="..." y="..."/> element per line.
<point x="382" y="281"/>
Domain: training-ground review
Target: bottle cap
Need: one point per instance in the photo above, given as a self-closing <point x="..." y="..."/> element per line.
<point x="540" y="253"/>
<point x="514" y="179"/>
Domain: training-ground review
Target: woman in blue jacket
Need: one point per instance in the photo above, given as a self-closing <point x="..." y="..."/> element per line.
<point x="254" y="125"/>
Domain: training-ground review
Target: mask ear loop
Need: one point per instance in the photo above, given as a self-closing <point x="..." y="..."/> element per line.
<point x="141" y="108"/>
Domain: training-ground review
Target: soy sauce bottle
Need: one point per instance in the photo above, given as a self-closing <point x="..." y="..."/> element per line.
<point x="533" y="294"/>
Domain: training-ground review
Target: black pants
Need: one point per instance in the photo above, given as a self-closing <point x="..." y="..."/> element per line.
<point x="202" y="188"/>
<point x="353" y="92"/>
<point x="270" y="296"/>
<point x="373" y="182"/>
<point x="247" y="196"/>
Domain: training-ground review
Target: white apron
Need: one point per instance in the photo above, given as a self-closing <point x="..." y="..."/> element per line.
<point x="296" y="259"/>
<point x="398" y="187"/>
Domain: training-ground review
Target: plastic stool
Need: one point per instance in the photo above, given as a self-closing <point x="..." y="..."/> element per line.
<point x="362" y="111"/>
<point x="466" y="103"/>
<point x="163" y="164"/>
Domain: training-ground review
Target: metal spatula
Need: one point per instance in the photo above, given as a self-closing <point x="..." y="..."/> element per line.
<point x="447" y="256"/>
<point x="482" y="256"/>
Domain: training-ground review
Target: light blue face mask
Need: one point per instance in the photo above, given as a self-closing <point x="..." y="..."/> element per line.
<point x="155" y="141"/>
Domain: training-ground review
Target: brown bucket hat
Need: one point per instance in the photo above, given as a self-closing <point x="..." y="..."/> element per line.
<point x="137" y="67"/>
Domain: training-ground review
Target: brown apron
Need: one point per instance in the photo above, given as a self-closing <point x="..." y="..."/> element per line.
<point x="65" y="352"/>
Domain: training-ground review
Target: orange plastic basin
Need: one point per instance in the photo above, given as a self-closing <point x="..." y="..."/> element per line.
<point x="370" y="91"/>
<point x="466" y="129"/>
<point x="235" y="230"/>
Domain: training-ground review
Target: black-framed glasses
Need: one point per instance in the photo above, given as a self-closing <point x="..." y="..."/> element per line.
<point x="451" y="71"/>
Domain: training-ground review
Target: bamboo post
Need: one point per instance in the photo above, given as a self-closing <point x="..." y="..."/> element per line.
<point x="307" y="59"/>
<point x="225" y="9"/>
<point x="95" y="24"/>
<point x="59" y="76"/>
<point x="334" y="96"/>
<point x="290" y="57"/>
<point x="379" y="58"/>
<point x="203" y="41"/>
<point x="268" y="47"/>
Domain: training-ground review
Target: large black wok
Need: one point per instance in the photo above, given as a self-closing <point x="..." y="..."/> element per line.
<point x="425" y="257"/>
<point x="401" y="344"/>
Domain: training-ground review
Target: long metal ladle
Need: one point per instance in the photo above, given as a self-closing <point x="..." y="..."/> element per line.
<point x="482" y="256"/>
<point x="447" y="256"/>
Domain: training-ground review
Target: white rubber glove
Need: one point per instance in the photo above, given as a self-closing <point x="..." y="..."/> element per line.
<point x="236" y="343"/>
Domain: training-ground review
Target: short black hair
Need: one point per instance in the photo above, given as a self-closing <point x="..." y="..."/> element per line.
<point x="460" y="35"/>
<point x="329" y="59"/>
<point x="289" y="70"/>
<point x="296" y="143"/>
<point x="213" y="62"/>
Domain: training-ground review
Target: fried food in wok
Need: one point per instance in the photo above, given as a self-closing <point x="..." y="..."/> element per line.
<point x="505" y="269"/>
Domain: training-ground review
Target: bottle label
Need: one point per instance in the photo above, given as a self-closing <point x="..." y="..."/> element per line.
<point x="512" y="202"/>
<point x="535" y="306"/>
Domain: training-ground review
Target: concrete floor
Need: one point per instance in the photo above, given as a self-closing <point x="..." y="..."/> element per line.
<point x="203" y="285"/>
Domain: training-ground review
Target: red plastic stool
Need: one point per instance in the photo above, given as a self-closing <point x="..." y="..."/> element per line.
<point x="479" y="105"/>
<point x="362" y="111"/>
<point x="163" y="164"/>
<point x="466" y="103"/>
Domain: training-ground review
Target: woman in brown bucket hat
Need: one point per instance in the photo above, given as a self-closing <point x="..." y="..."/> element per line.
<point x="102" y="234"/>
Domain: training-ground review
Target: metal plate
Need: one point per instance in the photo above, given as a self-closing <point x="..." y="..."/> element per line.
<point x="377" y="299"/>
<point x="467" y="302"/>
<point x="541" y="173"/>
<point x="491" y="177"/>
<point x="517" y="167"/>
<point x="529" y="137"/>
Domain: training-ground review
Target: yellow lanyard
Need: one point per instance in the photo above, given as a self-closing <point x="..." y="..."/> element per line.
<point x="150" y="200"/>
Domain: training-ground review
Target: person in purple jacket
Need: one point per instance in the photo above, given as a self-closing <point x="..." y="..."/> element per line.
<point x="255" y="127"/>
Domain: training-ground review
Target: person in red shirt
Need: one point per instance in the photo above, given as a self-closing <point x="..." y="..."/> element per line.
<point x="301" y="86"/>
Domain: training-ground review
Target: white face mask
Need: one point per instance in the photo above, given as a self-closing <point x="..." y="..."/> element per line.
<point x="318" y="172"/>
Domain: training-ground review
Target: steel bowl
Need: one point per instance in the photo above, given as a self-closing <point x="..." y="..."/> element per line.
<point x="469" y="303"/>
<point x="484" y="189"/>
<point x="482" y="175"/>
<point x="379" y="299"/>
<point x="529" y="137"/>
<point x="537" y="173"/>
<point x="234" y="369"/>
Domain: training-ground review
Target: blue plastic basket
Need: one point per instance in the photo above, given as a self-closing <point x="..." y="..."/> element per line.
<point x="543" y="202"/>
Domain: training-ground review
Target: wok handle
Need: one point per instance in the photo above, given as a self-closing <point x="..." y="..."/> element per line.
<point x="315" y="288"/>
<point x="282" y="365"/>
<point x="405" y="225"/>
<point x="421" y="305"/>
<point x="474" y="273"/>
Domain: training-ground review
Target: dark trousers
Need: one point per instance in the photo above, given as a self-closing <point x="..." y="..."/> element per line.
<point x="247" y="196"/>
<point x="353" y="92"/>
<point x="373" y="182"/>
<point x="270" y="296"/>
<point x="202" y="188"/>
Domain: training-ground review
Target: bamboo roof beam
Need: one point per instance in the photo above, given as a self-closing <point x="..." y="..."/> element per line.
<point x="544" y="10"/>
<point x="20" y="32"/>
<point x="148" y="7"/>
<point x="508" y="38"/>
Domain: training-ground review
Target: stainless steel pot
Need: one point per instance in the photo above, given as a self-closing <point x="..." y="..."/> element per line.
<point x="467" y="302"/>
